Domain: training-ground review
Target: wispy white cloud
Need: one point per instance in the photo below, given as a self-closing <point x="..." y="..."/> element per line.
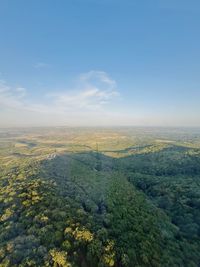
<point x="41" y="65"/>
<point x="98" y="76"/>
<point x="95" y="89"/>
<point x="11" y="97"/>
<point x="21" y="92"/>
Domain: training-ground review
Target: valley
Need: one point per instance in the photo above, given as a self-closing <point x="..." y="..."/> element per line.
<point x="99" y="197"/>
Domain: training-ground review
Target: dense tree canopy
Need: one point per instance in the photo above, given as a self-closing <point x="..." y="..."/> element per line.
<point x="89" y="209"/>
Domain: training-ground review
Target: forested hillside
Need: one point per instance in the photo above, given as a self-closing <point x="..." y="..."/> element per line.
<point x="100" y="197"/>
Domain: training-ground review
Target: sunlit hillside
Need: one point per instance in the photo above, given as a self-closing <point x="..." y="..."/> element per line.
<point x="99" y="197"/>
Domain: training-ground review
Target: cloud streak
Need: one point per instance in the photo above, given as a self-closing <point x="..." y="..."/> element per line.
<point x="11" y="98"/>
<point x="41" y="65"/>
<point x="95" y="89"/>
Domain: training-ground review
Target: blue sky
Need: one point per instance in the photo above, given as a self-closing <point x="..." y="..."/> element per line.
<point x="100" y="62"/>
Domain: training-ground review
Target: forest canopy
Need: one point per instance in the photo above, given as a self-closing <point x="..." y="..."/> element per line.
<point x="71" y="197"/>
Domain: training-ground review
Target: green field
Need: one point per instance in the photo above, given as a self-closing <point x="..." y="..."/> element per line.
<point x="97" y="197"/>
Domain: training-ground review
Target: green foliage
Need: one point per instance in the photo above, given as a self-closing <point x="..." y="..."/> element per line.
<point x="62" y="205"/>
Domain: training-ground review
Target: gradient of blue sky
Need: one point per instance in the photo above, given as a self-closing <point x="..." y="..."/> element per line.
<point x="140" y="61"/>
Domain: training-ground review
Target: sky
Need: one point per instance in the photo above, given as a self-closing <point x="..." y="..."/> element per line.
<point x="99" y="63"/>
